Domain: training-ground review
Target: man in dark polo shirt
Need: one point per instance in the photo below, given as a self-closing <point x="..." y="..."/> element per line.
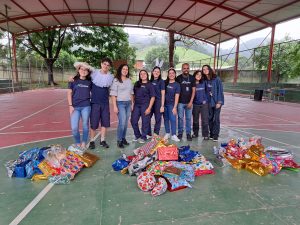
<point x="186" y="98"/>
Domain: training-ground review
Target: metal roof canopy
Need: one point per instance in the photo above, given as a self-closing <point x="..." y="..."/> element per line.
<point x="198" y="19"/>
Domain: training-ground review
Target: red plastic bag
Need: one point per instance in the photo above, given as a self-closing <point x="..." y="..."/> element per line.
<point x="168" y="153"/>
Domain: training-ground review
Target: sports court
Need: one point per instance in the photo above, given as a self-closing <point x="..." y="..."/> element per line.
<point x="99" y="195"/>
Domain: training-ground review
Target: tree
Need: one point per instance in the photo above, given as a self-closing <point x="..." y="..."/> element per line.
<point x="285" y="59"/>
<point x="48" y="45"/>
<point x="160" y="53"/>
<point x="95" y="43"/>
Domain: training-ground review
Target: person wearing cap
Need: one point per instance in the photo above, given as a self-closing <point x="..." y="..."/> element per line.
<point x="101" y="81"/>
<point x="79" y="102"/>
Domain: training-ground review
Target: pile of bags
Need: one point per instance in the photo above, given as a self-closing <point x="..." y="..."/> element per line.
<point x="53" y="163"/>
<point x="254" y="157"/>
<point x="160" y="167"/>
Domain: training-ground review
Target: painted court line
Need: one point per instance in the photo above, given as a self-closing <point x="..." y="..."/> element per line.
<point x="283" y="143"/>
<point x="36" y="200"/>
<point x="26" y="117"/>
<point x="36" y="132"/>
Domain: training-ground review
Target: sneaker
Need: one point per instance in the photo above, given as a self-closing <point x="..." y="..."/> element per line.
<point x="148" y="137"/>
<point x="194" y="135"/>
<point x="120" y="144"/>
<point x="189" y="137"/>
<point x="104" y="144"/>
<point x="141" y="141"/>
<point x="167" y="136"/>
<point x="125" y="142"/>
<point x="206" y="138"/>
<point x="135" y="139"/>
<point x="175" y="138"/>
<point x="92" y="145"/>
<point x="215" y="139"/>
<point x="179" y="136"/>
<point x="211" y="138"/>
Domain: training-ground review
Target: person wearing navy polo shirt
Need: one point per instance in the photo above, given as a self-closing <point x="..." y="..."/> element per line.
<point x="144" y="97"/>
<point x="172" y="97"/>
<point x="186" y="98"/>
<point x="101" y="81"/>
<point x="200" y="106"/>
<point x="158" y="107"/>
<point x="79" y="95"/>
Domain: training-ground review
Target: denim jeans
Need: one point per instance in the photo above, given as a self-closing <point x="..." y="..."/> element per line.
<point x="169" y="117"/>
<point x="84" y="114"/>
<point x="214" y="121"/>
<point x="124" y="108"/>
<point x="183" y="109"/>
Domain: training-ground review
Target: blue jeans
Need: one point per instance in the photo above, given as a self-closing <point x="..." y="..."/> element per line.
<point x="124" y="108"/>
<point x="183" y="109"/>
<point x="84" y="113"/>
<point x="169" y="117"/>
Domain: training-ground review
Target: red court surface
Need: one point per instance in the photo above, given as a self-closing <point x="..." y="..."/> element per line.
<point x="43" y="114"/>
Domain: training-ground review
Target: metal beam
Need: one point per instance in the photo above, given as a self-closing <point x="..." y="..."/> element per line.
<point x="26" y="12"/>
<point x="271" y="54"/>
<point x="181" y="15"/>
<point x="163" y="12"/>
<point x="50" y="12"/>
<point x="70" y="11"/>
<point x="109" y="25"/>
<point x="88" y="5"/>
<point x="112" y="13"/>
<point x="14" y="54"/>
<point x="145" y="12"/>
<point x="203" y="15"/>
<point x="236" y="63"/>
<point x="7" y="18"/>
<point x="215" y="56"/>
<point x="127" y="12"/>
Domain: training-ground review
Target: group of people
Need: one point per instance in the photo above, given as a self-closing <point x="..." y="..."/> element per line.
<point x="178" y="98"/>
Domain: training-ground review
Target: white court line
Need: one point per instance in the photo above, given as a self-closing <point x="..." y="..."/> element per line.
<point x="261" y="136"/>
<point x="274" y="117"/>
<point x="36" y="132"/>
<point x="285" y="131"/>
<point x="16" y="127"/>
<point x="57" y="122"/>
<point x="265" y="124"/>
<point x="38" y="124"/>
<point x="35" y="201"/>
<point x="26" y="117"/>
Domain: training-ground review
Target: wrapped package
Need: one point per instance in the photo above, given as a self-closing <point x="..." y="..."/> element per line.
<point x="60" y="179"/>
<point x="146" y="181"/>
<point x="176" y="183"/>
<point x="160" y="187"/>
<point x="158" y="167"/>
<point x="119" y="164"/>
<point x="137" y="167"/>
<point x="167" y="153"/>
<point x="37" y="177"/>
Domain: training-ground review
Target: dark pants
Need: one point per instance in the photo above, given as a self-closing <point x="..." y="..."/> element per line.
<point x="214" y="121"/>
<point x="139" y="111"/>
<point x="157" y="115"/>
<point x="203" y="110"/>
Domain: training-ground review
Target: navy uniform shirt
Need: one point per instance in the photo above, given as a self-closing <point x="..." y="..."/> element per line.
<point x="171" y="90"/>
<point x="159" y="85"/>
<point x="80" y="92"/>
<point x="144" y="93"/>
<point x="186" y="85"/>
<point x="201" y="95"/>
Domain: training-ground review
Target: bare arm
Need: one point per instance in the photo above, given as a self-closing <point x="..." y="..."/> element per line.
<point x="174" y="110"/>
<point x="69" y="96"/>
<point x="192" y="97"/>
<point x="148" y="110"/>
<point x="114" y="102"/>
<point x="163" y="92"/>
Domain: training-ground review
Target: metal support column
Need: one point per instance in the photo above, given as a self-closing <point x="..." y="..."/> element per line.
<point x="271" y="54"/>
<point x="236" y="63"/>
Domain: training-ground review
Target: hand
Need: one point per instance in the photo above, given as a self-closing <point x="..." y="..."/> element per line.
<point x="189" y="105"/>
<point x="218" y="105"/>
<point x="116" y="110"/>
<point x="147" y="111"/>
<point x="174" y="111"/>
<point x="162" y="109"/>
<point x="71" y="79"/>
<point x="71" y="109"/>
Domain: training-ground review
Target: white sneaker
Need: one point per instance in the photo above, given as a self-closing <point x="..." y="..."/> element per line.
<point x="141" y="141"/>
<point x="175" y="138"/>
<point x="135" y="139"/>
<point x="148" y="136"/>
<point x="167" y="136"/>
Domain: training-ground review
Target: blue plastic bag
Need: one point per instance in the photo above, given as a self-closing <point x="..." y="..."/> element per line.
<point x="119" y="164"/>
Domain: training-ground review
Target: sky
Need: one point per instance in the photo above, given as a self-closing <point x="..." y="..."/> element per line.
<point x="291" y="28"/>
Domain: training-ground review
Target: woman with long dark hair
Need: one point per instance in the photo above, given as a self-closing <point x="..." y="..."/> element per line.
<point x="158" y="107"/>
<point x="122" y="98"/>
<point x="144" y="97"/>
<point x="79" y="96"/>
<point x="171" y="103"/>
<point x="215" y="100"/>
<point x="200" y="106"/>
